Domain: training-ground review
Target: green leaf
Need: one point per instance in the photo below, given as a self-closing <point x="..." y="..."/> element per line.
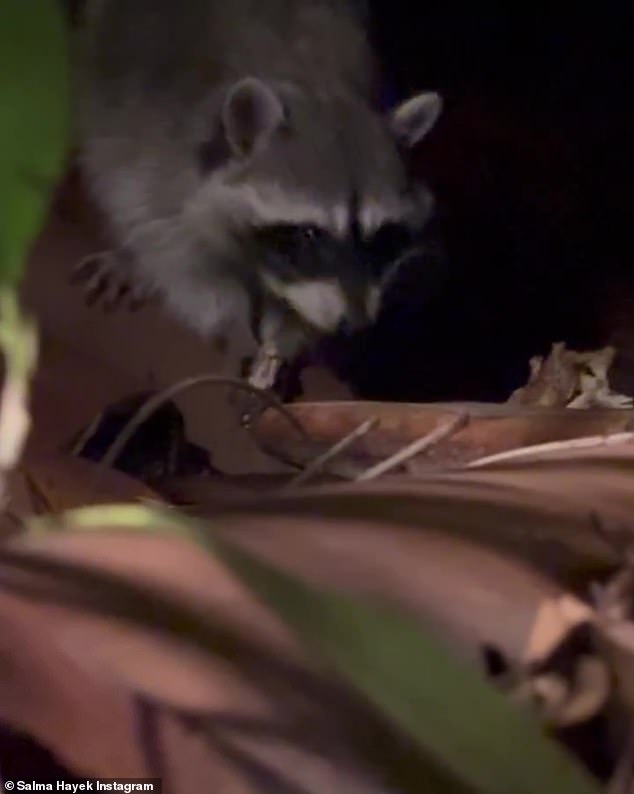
<point x="34" y="119"/>
<point x="460" y="721"/>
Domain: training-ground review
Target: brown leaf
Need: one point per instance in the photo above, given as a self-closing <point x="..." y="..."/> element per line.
<point x="47" y="691"/>
<point x="177" y="674"/>
<point x="209" y="721"/>
<point x="492" y="428"/>
<point x="226" y="490"/>
<point x="451" y="548"/>
<point x="54" y="483"/>
<point x="558" y="535"/>
<point x="437" y="531"/>
<point x="569" y="378"/>
<point x="461" y="586"/>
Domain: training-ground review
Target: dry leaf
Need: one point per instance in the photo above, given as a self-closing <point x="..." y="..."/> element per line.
<point x="491" y="429"/>
<point x="567" y="378"/>
<point x="47" y="691"/>
<point x="61" y="482"/>
<point x="555" y="620"/>
<point x="209" y="721"/>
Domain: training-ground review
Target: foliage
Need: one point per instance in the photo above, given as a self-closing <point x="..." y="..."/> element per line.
<point x="359" y="657"/>
<point x="34" y="121"/>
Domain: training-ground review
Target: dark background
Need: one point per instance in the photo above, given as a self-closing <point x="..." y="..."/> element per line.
<point x="532" y="167"/>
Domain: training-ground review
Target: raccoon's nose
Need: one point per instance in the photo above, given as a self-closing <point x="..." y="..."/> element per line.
<point x="354" y="321"/>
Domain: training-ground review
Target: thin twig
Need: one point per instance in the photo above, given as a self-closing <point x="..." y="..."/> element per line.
<point x="587" y="442"/>
<point x="347" y="441"/>
<point x="415" y="448"/>
<point x="86" y="434"/>
<point x="156" y="401"/>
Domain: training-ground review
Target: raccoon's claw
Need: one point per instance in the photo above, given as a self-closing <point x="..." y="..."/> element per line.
<point x="105" y="280"/>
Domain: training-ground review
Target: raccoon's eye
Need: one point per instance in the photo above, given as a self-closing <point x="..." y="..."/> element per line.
<point x="309" y="234"/>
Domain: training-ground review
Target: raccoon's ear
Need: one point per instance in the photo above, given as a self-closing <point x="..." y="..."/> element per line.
<point x="415" y="117"/>
<point x="251" y="112"/>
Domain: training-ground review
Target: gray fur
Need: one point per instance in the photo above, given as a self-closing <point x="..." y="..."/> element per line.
<point x="278" y="94"/>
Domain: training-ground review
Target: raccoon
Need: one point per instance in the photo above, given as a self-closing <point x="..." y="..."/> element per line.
<point x="246" y="173"/>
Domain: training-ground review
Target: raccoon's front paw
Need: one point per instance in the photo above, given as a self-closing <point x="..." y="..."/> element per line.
<point x="260" y="372"/>
<point x="282" y="377"/>
<point x="106" y="280"/>
<point x="265" y="368"/>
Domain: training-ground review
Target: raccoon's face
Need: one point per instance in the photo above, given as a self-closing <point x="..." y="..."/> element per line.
<point x="333" y="283"/>
<point x="318" y="198"/>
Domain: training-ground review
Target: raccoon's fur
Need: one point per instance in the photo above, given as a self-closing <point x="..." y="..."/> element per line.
<point x="236" y="151"/>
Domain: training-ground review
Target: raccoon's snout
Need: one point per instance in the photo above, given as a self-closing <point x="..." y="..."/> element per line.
<point x="320" y="303"/>
<point x="326" y="305"/>
<point x="362" y="312"/>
